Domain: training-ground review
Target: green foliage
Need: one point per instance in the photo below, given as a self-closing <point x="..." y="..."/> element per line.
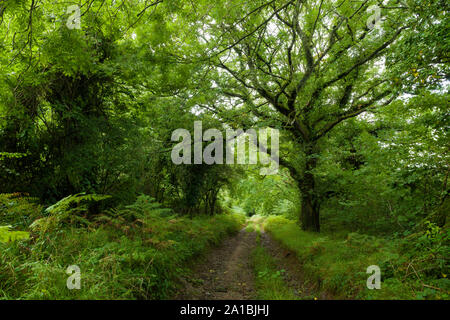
<point x="146" y="205"/>
<point x="6" y="235"/>
<point x="69" y="211"/>
<point x="275" y="194"/>
<point x="427" y="252"/>
<point x="268" y="279"/>
<point x="18" y="210"/>
<point x="119" y="259"/>
<point x="9" y="155"/>
<point x="88" y="113"/>
<point x="338" y="265"/>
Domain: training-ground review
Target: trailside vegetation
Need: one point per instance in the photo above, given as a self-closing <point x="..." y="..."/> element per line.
<point x="92" y="92"/>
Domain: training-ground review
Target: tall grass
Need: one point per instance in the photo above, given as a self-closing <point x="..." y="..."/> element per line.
<point x="119" y="259"/>
<point x="339" y="265"/>
<point x="269" y="283"/>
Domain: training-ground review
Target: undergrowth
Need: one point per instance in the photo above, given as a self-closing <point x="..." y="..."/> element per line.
<point x="412" y="268"/>
<point x="134" y="252"/>
<point x="269" y="283"/>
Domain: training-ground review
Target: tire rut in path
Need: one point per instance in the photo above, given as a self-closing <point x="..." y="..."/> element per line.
<point x="225" y="274"/>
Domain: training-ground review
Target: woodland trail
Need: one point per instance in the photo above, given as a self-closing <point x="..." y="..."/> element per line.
<point x="226" y="273"/>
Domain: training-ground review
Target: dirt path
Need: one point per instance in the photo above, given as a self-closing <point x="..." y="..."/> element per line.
<point x="225" y="274"/>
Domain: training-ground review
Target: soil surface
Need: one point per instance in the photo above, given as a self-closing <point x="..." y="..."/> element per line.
<point x="226" y="272"/>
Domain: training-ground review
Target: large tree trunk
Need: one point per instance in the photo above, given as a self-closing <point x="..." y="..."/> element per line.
<point x="309" y="216"/>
